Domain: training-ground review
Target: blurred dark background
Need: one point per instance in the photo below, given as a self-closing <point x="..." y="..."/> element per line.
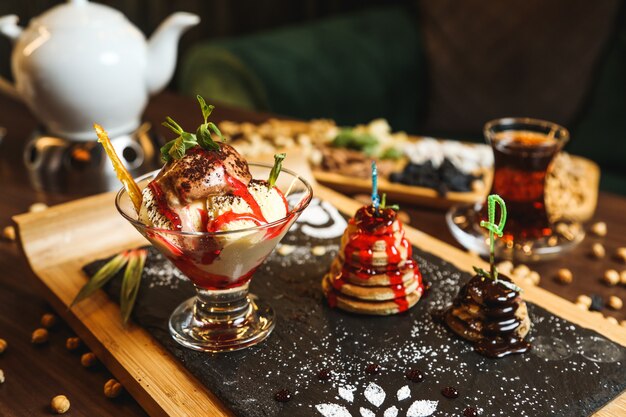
<point x="433" y="67"/>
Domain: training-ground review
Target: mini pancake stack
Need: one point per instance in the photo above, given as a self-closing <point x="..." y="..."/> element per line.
<point x="374" y="272"/>
<point x="491" y="314"/>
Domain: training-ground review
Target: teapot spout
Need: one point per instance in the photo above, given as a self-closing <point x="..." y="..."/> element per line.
<point x="9" y="27"/>
<point x="163" y="48"/>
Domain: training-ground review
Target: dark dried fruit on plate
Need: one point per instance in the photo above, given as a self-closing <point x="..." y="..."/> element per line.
<point x="443" y="178"/>
<point x="283" y="396"/>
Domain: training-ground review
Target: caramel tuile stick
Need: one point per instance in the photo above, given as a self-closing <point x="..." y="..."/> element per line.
<point x="122" y="173"/>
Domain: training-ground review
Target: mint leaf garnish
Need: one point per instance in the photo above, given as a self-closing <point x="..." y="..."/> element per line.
<point x="278" y="163"/>
<point x="177" y="148"/>
<point x="172" y="125"/>
<point x="204" y="138"/>
<point x="215" y="130"/>
<point x="206" y="109"/>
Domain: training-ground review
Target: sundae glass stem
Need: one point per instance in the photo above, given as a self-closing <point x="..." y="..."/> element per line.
<point x="219" y="306"/>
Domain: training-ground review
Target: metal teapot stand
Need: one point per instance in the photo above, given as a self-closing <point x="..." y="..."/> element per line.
<point x="59" y="165"/>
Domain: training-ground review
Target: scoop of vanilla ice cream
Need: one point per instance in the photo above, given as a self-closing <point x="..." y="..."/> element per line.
<point x="270" y="201"/>
<point x="221" y="204"/>
<point x="149" y="213"/>
<point x="190" y="215"/>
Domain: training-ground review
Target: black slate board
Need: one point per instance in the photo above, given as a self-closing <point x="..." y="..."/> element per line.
<point x="571" y="371"/>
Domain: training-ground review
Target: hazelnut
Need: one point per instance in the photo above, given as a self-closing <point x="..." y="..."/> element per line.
<point x="112" y="388"/>
<point x="615" y="302"/>
<point x="39" y="336"/>
<point x="1" y="376"/>
<point x="582" y="306"/>
<point x="622" y="323"/>
<point x="612" y="320"/>
<point x="506" y="267"/>
<point x="622" y="277"/>
<point x="9" y="233"/>
<point x="598" y="250"/>
<point x="318" y="250"/>
<point x="534" y="277"/>
<point x="620" y="254"/>
<point x="563" y="230"/>
<point x="521" y="271"/>
<point x="611" y="277"/>
<point x="48" y="320"/>
<point x="37" y="207"/>
<point x="60" y="404"/>
<point x="3" y="345"/>
<point x="584" y="300"/>
<point x="285" y="250"/>
<point x="564" y="276"/>
<point x="599" y="229"/>
<point x="72" y="343"/>
<point x="88" y="359"/>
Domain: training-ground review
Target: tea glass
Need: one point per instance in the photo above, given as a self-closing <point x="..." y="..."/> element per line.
<point x="524" y="150"/>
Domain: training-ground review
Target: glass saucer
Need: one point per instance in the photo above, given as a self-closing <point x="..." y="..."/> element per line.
<point x="462" y="222"/>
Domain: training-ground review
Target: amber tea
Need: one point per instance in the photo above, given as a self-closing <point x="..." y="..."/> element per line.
<point x="521" y="160"/>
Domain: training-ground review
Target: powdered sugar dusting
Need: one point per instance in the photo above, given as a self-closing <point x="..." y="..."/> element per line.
<point x="366" y="412"/>
<point x="391" y="411"/>
<point x="332" y="410"/>
<point x="347" y="393"/>
<point x="374" y="394"/>
<point x="422" y="408"/>
<point x="403" y="393"/>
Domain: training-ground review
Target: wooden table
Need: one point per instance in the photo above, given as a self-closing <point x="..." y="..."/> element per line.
<point x="35" y="374"/>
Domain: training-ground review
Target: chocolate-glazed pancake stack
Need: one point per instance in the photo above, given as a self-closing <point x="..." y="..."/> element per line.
<point x="373" y="272"/>
<point x="492" y="314"/>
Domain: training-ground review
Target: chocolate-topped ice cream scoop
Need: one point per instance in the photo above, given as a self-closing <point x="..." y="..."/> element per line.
<point x="492" y="314"/>
<point x="201" y="172"/>
<point x="176" y="199"/>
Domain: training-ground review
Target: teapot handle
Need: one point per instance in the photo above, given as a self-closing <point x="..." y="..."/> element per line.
<point x="8" y="88"/>
<point x="9" y="28"/>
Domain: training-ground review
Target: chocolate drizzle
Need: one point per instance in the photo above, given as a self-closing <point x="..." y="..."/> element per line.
<point x="200" y="173"/>
<point x="492" y="315"/>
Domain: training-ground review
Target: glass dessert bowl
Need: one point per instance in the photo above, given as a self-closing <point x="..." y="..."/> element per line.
<point x="222" y="316"/>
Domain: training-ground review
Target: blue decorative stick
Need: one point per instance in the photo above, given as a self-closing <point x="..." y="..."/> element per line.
<point x="375" y="197"/>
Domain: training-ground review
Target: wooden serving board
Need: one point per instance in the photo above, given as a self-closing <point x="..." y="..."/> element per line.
<point x="402" y="193"/>
<point x="61" y="240"/>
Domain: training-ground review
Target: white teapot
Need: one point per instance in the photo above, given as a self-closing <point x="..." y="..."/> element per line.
<point x="81" y="62"/>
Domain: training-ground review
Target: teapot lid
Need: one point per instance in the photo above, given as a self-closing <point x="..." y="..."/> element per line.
<point x="80" y="13"/>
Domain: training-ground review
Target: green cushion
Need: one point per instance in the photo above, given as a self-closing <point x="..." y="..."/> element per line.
<point x="350" y="68"/>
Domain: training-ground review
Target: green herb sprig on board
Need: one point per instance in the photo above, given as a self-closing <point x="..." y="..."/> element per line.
<point x="134" y="261"/>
